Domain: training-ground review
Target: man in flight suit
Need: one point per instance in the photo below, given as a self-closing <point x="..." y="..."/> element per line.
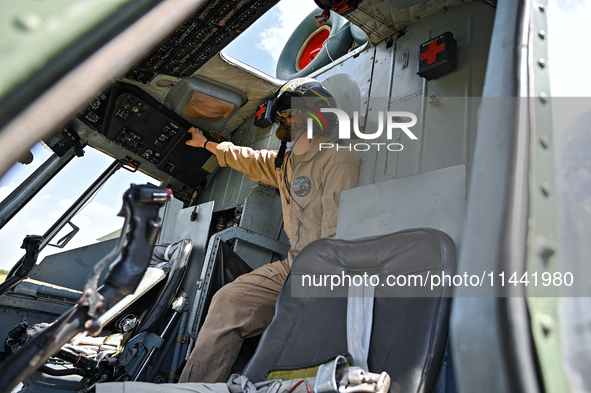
<point x="310" y="182"/>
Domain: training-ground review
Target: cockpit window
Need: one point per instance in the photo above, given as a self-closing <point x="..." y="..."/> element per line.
<point x="97" y="220"/>
<point x="261" y="44"/>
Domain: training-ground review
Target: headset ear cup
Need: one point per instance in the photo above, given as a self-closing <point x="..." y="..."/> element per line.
<point x="319" y="129"/>
<point x="332" y="121"/>
<point x="329" y="117"/>
<point x="318" y="126"/>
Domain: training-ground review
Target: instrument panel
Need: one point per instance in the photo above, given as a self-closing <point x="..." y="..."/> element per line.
<point x="154" y="134"/>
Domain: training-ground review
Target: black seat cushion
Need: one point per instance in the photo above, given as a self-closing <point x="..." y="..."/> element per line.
<point x="409" y="334"/>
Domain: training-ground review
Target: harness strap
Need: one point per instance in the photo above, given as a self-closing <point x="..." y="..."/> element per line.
<point x="359" y="322"/>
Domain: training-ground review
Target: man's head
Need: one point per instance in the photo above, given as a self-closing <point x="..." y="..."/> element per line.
<point x="297" y="101"/>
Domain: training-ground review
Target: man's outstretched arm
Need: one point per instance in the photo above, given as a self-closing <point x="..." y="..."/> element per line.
<point x="257" y="165"/>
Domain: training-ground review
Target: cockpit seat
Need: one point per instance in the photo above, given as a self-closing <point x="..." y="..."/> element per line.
<point x="144" y="313"/>
<point x="408" y="333"/>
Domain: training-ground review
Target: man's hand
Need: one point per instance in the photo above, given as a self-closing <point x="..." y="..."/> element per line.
<point x="198" y="139"/>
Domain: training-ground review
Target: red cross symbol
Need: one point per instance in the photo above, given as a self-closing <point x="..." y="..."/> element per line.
<point x="261" y="111"/>
<point x="432" y="50"/>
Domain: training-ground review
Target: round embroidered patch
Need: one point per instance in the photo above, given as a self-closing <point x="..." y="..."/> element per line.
<point x="302" y="186"/>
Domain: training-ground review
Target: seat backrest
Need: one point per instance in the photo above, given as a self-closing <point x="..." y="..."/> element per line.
<point x="409" y="334"/>
<point x="175" y="258"/>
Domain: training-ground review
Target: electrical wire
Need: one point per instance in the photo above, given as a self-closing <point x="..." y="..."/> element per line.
<point x="299" y="383"/>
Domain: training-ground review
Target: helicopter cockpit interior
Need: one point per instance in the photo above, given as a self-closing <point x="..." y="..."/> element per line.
<point x="150" y="72"/>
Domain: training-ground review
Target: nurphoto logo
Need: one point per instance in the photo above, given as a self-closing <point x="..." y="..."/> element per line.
<point x="394" y="120"/>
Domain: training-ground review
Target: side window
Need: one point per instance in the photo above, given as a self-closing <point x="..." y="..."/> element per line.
<point x="97" y="221"/>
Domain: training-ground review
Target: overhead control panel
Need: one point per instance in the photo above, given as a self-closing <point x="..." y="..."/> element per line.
<point x="153" y="133"/>
<point x="199" y="38"/>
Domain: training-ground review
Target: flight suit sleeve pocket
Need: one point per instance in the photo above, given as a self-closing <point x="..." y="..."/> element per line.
<point x="330" y="212"/>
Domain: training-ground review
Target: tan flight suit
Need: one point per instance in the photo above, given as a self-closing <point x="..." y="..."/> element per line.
<point x="310" y="199"/>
